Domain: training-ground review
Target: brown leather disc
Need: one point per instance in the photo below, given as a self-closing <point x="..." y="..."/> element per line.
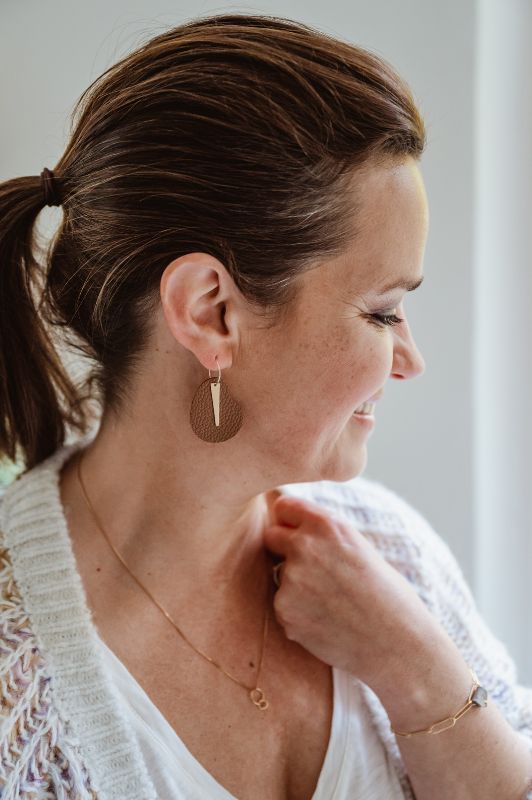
<point x="202" y="413"/>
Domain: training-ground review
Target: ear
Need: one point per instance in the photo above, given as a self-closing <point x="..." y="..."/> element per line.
<point x="194" y="289"/>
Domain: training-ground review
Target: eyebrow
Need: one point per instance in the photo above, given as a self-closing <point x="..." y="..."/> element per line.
<point x="403" y="283"/>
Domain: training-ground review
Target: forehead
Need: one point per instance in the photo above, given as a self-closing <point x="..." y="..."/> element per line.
<point x="390" y="230"/>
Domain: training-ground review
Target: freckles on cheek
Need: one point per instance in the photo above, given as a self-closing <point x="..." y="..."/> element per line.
<point x="333" y="395"/>
<point x="364" y="375"/>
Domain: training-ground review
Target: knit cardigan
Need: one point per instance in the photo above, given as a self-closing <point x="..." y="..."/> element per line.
<point x="63" y="733"/>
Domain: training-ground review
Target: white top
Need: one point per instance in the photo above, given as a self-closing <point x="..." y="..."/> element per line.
<point x="68" y="709"/>
<point x="356" y="764"/>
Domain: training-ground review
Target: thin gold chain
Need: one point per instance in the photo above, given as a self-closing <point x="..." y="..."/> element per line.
<point x="449" y="722"/>
<point x="256" y="694"/>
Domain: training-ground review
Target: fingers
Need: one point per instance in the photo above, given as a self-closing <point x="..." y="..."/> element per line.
<point x="295" y="511"/>
<point x="277" y="539"/>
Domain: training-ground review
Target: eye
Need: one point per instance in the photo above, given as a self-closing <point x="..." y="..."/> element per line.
<point x="385" y="319"/>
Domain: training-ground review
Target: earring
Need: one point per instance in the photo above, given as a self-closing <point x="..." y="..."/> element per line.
<point x="214" y="413"/>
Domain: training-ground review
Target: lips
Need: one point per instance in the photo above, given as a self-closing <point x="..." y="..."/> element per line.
<point x="370" y="400"/>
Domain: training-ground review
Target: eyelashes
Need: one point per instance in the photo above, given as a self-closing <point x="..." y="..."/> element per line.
<point x="385" y="319"/>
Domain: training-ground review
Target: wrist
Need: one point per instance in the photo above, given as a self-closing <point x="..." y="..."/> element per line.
<point x="431" y="685"/>
<point x="477" y="697"/>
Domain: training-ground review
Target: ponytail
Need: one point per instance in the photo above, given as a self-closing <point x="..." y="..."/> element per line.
<point x="37" y="396"/>
<point x="234" y="135"/>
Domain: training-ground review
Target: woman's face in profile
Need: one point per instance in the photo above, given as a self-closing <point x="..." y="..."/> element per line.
<point x="300" y="380"/>
<point x="340" y="354"/>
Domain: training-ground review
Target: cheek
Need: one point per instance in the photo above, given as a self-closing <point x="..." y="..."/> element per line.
<point x="331" y="371"/>
<point x="359" y="369"/>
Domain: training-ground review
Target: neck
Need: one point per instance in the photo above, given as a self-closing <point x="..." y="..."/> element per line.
<point x="181" y="539"/>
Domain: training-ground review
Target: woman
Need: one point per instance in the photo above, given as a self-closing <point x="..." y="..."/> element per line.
<point x="200" y="598"/>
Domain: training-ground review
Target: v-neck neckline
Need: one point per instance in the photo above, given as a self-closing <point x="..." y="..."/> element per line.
<point x="175" y="746"/>
<point x="45" y="568"/>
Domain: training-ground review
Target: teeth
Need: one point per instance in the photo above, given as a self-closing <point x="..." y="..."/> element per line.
<point x="366" y="408"/>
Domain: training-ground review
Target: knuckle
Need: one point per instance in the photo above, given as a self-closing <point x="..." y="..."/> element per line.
<point x="305" y="545"/>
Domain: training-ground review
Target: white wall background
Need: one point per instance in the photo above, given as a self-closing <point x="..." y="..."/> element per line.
<point x="456" y="441"/>
<point x="502" y="363"/>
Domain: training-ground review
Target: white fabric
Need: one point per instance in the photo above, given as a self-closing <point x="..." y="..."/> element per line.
<point x="356" y="765"/>
<point x="65" y="710"/>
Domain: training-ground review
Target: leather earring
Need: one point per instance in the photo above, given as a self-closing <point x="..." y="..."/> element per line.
<point x="215" y="415"/>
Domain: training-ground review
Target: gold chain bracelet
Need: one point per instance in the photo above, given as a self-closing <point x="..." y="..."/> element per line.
<point x="478" y="696"/>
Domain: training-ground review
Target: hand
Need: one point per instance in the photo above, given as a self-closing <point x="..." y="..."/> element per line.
<point x="344" y="603"/>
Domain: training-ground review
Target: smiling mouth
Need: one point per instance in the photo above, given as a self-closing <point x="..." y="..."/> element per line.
<point x="368" y="406"/>
<point x="365" y="410"/>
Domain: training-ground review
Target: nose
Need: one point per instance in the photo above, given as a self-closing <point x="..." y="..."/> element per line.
<point x="407" y="359"/>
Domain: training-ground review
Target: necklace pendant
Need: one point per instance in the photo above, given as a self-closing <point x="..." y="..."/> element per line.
<point x="257" y="697"/>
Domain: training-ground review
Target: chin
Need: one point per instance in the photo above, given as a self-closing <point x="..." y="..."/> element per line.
<point x="355" y="472"/>
<point x="352" y="463"/>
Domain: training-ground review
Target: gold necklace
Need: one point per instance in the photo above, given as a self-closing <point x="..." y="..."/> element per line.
<point x="255" y="693"/>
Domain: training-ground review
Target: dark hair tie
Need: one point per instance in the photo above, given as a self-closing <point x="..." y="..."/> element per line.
<point x="50" y="188"/>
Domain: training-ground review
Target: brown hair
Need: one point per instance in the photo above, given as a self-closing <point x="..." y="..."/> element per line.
<point x="235" y="135"/>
